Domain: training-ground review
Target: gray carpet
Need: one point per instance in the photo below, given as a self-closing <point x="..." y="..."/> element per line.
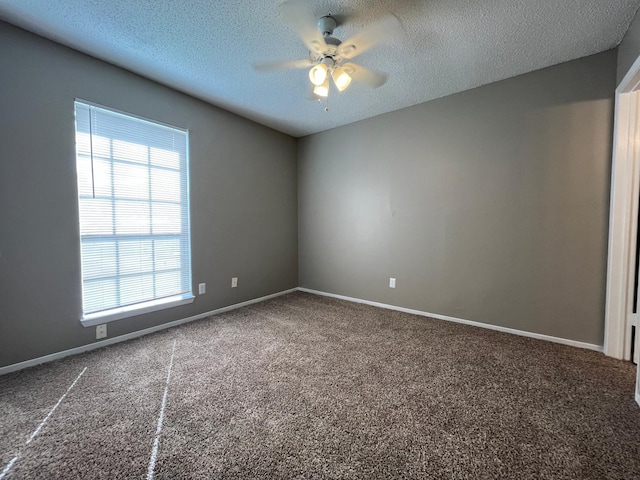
<point x="303" y="386"/>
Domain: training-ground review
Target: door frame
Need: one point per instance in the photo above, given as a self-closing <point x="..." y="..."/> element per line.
<point x="623" y="215"/>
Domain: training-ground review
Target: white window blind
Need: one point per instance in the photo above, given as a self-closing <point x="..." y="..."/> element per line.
<point x="134" y="211"/>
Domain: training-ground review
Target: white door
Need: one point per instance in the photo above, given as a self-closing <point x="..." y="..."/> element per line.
<point x="632" y="300"/>
<point x="623" y="220"/>
<point x="638" y="382"/>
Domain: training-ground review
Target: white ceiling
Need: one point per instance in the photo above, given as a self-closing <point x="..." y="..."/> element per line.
<point x="207" y="48"/>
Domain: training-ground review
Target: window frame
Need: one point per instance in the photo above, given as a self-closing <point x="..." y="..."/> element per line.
<point x="130" y="310"/>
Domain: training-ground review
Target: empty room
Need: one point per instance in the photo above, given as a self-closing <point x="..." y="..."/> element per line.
<point x="319" y="239"/>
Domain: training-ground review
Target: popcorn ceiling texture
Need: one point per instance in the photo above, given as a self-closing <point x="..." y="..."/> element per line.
<point x="207" y="48"/>
<point x="304" y="386"/>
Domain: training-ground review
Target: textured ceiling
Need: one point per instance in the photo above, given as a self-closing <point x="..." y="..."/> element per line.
<point x="207" y="48"/>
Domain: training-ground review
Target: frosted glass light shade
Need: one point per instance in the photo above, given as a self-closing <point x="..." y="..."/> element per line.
<point x="341" y="79"/>
<point x="318" y="74"/>
<point x="322" y="90"/>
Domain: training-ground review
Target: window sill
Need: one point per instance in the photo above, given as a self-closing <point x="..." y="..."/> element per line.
<point x="137" y="309"/>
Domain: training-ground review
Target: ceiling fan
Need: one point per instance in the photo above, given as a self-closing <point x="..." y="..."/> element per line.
<point x="328" y="56"/>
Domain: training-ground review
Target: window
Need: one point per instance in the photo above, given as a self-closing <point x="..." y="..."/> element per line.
<point x="133" y="197"/>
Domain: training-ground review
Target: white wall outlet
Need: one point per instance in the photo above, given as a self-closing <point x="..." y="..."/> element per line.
<point x="392" y="282"/>
<point x="234" y="282"/>
<point x="101" y="331"/>
<point x="202" y="288"/>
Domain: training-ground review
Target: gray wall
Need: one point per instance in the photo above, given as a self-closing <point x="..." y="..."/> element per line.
<point x="629" y="49"/>
<point x="243" y="196"/>
<point x="490" y="205"/>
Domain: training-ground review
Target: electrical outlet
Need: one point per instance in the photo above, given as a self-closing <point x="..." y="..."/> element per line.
<point x="392" y="282"/>
<point x="101" y="331"/>
<point x="234" y="282"/>
<point x="202" y="288"/>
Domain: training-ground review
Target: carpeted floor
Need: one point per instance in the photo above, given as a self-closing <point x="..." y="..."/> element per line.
<point x="303" y="386"/>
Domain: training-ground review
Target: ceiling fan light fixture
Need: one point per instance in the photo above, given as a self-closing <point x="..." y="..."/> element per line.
<point x="318" y="74"/>
<point x="322" y="90"/>
<point x="341" y="78"/>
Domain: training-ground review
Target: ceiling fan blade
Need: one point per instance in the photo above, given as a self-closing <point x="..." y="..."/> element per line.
<point x="364" y="75"/>
<point x="382" y="31"/>
<point x="300" y="16"/>
<point x="285" y="65"/>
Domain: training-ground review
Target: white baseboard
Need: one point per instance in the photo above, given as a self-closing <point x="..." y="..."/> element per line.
<point x="522" y="333"/>
<point x="110" y="341"/>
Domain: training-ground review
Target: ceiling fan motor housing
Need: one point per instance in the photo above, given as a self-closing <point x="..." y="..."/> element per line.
<point x="327" y="25"/>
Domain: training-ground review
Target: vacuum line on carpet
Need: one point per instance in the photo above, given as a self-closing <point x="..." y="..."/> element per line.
<point x="8" y="467"/>
<point x="156" y="440"/>
<point x="37" y="430"/>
